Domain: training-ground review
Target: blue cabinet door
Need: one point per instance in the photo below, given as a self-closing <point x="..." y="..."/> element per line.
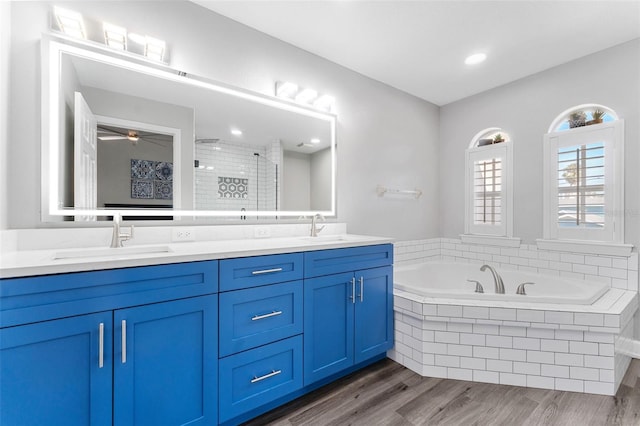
<point x="373" y="312"/>
<point x="328" y="325"/>
<point x="51" y="372"/>
<point x="165" y="363"/>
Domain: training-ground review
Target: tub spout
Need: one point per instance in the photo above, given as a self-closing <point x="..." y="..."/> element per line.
<point x="497" y="279"/>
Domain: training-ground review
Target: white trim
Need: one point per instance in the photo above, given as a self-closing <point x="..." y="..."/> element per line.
<point x="503" y="150"/>
<point x="613" y="232"/>
<point x="490" y="240"/>
<point x="586" y="247"/>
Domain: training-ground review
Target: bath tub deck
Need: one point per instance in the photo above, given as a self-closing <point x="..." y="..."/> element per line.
<point x="543" y="345"/>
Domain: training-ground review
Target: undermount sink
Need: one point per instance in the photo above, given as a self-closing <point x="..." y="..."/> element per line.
<point x="325" y="239"/>
<point x="110" y="252"/>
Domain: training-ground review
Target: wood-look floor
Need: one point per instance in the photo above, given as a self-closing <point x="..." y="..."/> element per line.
<point x="387" y="393"/>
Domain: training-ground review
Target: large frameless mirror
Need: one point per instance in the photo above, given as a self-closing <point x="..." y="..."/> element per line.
<point x="121" y="133"/>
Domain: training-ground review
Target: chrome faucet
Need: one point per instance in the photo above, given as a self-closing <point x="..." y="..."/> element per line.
<point x="497" y="279"/>
<point x="117" y="237"/>
<point x="314" y="228"/>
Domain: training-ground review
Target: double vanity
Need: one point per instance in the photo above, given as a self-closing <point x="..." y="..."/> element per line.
<point x="196" y="333"/>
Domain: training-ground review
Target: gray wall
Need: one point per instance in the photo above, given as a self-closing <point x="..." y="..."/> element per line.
<point x="525" y="110"/>
<point x="385" y="136"/>
<point x="5" y="39"/>
<point x="296" y="181"/>
<point x="320" y="179"/>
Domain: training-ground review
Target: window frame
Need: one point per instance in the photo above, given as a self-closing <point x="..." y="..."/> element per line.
<point x="612" y="134"/>
<point x="504" y="151"/>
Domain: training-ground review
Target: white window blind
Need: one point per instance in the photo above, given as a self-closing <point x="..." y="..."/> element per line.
<point x="581" y="190"/>
<point x="487" y="188"/>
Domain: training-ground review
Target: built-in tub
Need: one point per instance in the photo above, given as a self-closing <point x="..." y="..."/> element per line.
<point x="449" y="280"/>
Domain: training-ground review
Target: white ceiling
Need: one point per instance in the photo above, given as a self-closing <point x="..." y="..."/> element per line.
<point x="420" y="46"/>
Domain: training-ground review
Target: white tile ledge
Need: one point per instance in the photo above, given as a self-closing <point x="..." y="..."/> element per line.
<point x="613" y="303"/>
<point x="490" y="240"/>
<point x="586" y="247"/>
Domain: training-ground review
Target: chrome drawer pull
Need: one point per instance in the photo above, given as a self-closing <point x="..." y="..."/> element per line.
<point x="272" y="314"/>
<point x="266" y="376"/>
<point x="353" y="290"/>
<point x="361" y="288"/>
<point x="101" y="345"/>
<point x="266" y="271"/>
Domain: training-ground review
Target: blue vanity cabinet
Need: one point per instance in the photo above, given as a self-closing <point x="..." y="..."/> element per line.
<point x="67" y="357"/>
<point x="348" y="316"/>
<point x="51" y="372"/>
<point x="165" y="363"/>
<point x="261" y="324"/>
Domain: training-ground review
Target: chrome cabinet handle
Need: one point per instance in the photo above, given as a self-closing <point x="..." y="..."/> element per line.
<point x="124" y="341"/>
<point x="101" y="345"/>
<point x="272" y="314"/>
<point x="353" y="290"/>
<point x="266" y="376"/>
<point x="266" y="271"/>
<point x="361" y="288"/>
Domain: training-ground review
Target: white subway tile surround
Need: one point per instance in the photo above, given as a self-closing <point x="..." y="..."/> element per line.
<point x="562" y="347"/>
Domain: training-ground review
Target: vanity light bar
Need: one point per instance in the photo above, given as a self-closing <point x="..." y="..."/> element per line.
<point x="70" y="22"/>
<point x="115" y="36"/>
<point x="307" y="96"/>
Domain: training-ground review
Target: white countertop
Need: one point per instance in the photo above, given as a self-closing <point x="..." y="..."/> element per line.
<point x="23" y="263"/>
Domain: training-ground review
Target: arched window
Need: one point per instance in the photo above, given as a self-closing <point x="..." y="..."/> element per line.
<point x="582" y="115"/>
<point x="488" y="194"/>
<point x="583" y="175"/>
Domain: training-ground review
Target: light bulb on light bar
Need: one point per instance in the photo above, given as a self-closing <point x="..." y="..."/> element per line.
<point x="305" y="96"/>
<point x="70" y="22"/>
<point x="325" y="103"/>
<point x="115" y="36"/>
<point x="154" y="48"/>
<point x="286" y="89"/>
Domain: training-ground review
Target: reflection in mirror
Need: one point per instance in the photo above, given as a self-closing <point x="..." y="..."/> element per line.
<point x="126" y="135"/>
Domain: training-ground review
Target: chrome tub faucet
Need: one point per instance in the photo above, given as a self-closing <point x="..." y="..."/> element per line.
<point x="497" y="279"/>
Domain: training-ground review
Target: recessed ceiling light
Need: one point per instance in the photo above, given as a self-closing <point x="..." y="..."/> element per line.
<point x="236" y="132"/>
<point x="315" y="140"/>
<point x="476" y="58"/>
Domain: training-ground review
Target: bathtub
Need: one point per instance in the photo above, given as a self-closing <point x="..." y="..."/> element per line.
<point x="449" y="280"/>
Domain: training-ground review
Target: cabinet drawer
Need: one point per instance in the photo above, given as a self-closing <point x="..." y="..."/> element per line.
<point x="256" y="377"/>
<point x="327" y="262"/>
<point x="33" y="299"/>
<point x="257" y="316"/>
<point x="236" y="274"/>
